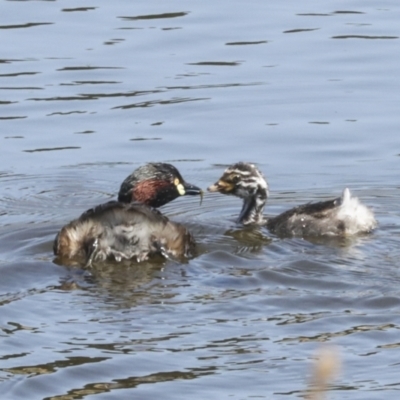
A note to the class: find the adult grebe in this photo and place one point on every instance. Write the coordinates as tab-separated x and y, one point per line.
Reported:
342	216
122	230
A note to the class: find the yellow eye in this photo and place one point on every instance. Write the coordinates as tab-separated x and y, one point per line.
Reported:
176	181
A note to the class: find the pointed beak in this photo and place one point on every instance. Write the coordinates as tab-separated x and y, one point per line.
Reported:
221	187
213	188
193	190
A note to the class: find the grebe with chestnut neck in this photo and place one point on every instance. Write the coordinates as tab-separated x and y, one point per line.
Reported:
131	228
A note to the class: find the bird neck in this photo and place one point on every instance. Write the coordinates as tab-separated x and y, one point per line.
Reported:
253	208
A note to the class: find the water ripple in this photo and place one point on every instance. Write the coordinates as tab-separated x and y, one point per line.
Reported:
26	25
156	16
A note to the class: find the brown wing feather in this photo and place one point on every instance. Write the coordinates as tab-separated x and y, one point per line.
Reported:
123	231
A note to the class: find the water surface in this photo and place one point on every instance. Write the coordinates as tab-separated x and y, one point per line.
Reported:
90	91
